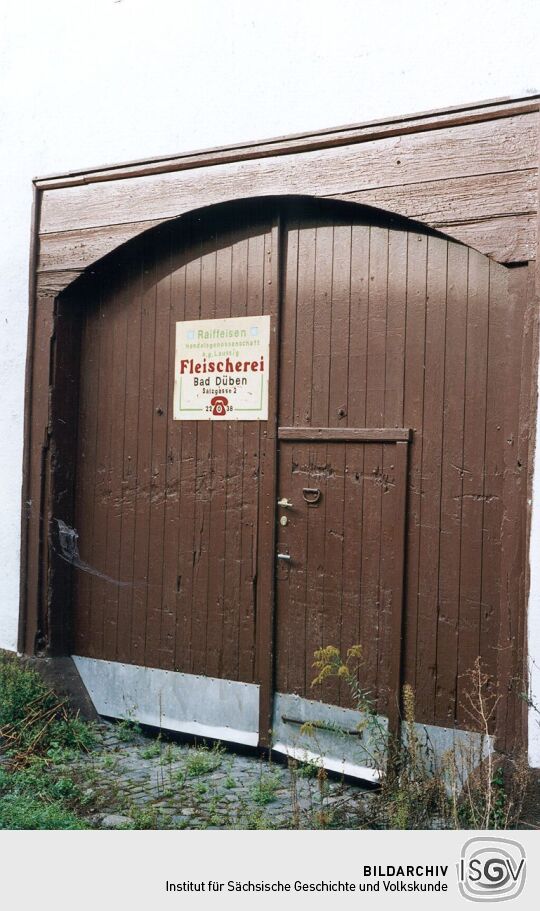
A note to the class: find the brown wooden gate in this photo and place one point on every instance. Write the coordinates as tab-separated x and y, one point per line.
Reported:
378	327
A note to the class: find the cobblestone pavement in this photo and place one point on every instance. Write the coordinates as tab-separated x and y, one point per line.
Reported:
135	781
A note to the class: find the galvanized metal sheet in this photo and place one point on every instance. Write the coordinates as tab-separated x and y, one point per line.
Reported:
337	738
328	735
203	706
467	748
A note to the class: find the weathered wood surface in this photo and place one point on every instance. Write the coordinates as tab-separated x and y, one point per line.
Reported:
383	327
330	137
35	633
476	182
506	240
79	249
52	283
346	434
459	199
517	415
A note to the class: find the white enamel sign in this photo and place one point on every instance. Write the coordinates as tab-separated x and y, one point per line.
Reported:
221	369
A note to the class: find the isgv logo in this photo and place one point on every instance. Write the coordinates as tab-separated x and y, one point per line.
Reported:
491	869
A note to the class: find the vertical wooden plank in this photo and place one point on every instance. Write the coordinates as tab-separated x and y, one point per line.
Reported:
391	597
38	450
413	410
84	499
313	470
322	326
430	505
116	320
528	407
144	456
126	571
259	251
358	326
246	298
173	578
338	401
188	487
205	273
289	540
339	259
268	495
305	405
493	474
395	676
98	584
355	619
171	582
319	457
376	343
287	363
217	533
188	484
340	326
396	310
512	555
158	474
372	606
333	554
290	240
452	473
63	423
352	553
473	468
234	595
304	336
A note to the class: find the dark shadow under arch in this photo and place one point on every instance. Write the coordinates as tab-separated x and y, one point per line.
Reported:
201	225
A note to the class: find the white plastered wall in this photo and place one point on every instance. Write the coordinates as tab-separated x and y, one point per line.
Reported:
90	83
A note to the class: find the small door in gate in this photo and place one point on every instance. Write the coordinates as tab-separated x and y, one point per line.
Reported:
339	582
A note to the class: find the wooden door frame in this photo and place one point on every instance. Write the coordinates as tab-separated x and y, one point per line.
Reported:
266	532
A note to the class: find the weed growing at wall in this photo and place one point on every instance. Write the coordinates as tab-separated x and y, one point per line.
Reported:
37	731
52	775
203	760
33	721
469	786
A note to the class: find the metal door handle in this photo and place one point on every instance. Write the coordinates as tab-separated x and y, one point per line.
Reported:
286	557
284	503
311	495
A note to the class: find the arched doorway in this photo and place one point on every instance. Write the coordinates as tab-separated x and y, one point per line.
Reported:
383	432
